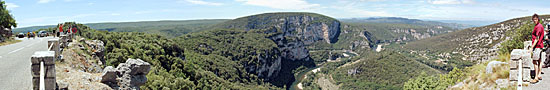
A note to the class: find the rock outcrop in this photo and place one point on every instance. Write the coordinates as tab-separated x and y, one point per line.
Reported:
97	49
129	75
291	32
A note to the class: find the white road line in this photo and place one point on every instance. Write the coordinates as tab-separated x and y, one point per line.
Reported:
16	50
30	45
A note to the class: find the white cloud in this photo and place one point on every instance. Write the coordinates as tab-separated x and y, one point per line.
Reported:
11	6
201	2
281	4
451	1
45	1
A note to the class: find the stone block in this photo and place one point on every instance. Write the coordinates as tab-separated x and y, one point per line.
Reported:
50	71
46	56
516	54
36	83
49	60
55	48
35	60
49	83
527	63
526	75
513	75
526	56
35	70
514	64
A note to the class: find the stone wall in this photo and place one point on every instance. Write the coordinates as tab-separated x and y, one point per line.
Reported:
521	63
47	57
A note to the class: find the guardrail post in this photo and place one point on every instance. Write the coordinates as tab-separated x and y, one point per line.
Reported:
55	47
47	57
63	41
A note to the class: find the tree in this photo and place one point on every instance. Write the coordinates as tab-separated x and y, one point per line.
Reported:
6	19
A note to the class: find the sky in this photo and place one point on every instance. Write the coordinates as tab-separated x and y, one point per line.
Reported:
50	12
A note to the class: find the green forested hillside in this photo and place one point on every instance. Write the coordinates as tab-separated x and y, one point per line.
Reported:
176	67
228	54
384	70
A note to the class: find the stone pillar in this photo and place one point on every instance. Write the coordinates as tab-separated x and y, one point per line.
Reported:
514	64
523	57
47	57
63	41
55	47
70	37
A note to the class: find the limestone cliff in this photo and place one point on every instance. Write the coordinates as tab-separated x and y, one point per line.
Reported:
291	32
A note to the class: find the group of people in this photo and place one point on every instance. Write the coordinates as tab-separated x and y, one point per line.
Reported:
72	29
31	34
539	38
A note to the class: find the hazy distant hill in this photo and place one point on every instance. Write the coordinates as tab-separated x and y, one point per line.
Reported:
170	28
400	20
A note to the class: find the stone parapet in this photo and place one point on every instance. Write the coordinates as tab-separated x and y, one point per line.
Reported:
48	61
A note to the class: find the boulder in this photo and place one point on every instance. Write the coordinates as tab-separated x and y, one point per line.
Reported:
62	85
109	74
138	67
128	75
492	64
138	80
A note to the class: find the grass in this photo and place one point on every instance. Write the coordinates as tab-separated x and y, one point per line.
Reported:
9	41
476	76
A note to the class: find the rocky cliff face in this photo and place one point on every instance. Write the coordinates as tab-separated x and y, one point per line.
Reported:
291	32
308	27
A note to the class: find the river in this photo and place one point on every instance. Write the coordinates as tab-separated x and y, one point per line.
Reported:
302	75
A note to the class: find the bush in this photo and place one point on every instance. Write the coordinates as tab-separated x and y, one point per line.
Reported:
518	36
441	82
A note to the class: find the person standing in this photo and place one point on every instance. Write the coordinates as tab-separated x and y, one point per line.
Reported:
60	29
28	35
537	45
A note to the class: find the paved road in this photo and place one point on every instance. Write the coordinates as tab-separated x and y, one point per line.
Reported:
15	64
543	84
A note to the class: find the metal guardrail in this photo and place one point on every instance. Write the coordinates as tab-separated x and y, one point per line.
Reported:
42	76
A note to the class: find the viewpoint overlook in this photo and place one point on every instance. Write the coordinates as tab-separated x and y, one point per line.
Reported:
265	45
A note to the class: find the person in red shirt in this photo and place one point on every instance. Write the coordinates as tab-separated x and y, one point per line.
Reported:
60	29
537	45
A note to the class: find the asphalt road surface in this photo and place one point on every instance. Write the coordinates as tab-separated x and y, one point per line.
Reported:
15	62
543	84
